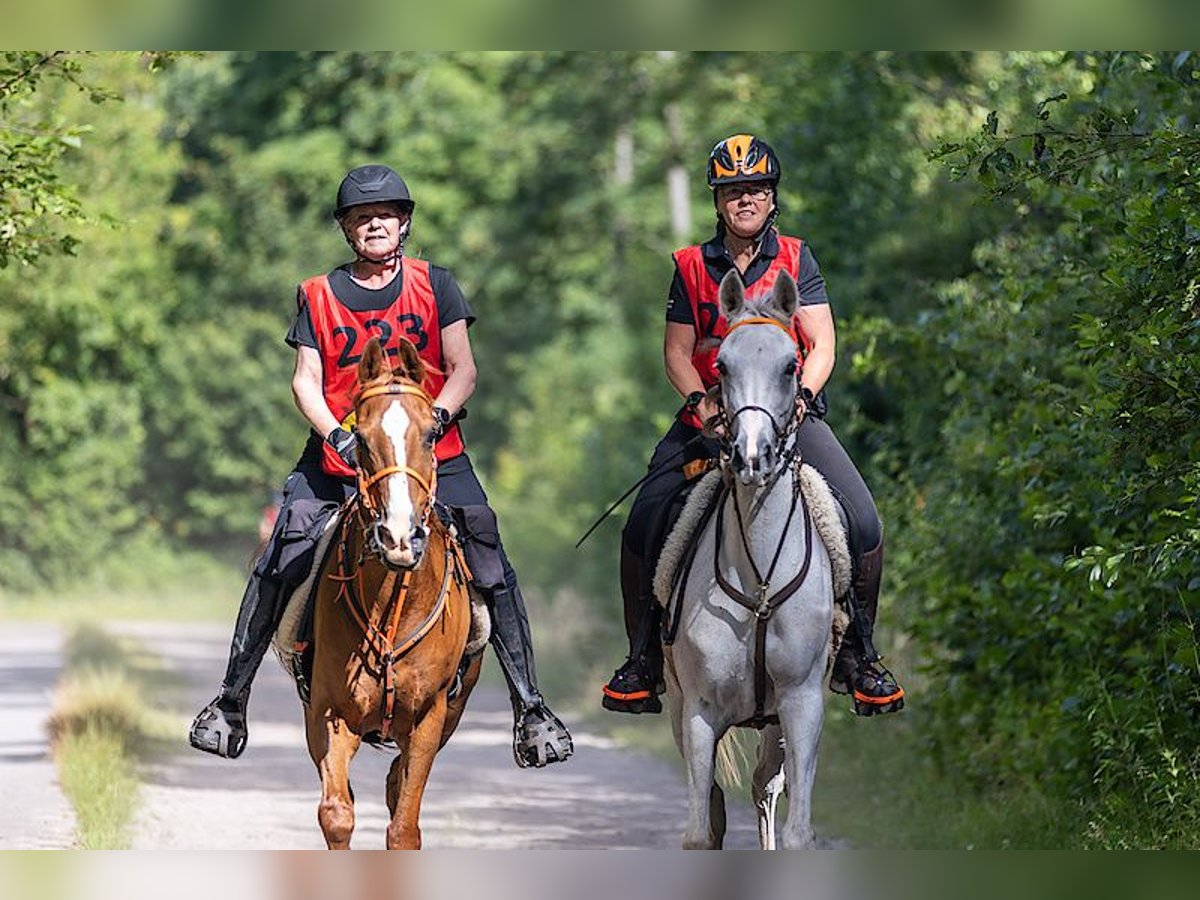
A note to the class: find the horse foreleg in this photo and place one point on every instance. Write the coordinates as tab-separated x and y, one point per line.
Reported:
332	745
801	714
768	783
699	746
408	775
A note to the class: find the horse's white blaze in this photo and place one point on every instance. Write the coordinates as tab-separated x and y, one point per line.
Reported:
398	517
754	436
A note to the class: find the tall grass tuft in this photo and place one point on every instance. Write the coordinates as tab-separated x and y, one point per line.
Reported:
99	721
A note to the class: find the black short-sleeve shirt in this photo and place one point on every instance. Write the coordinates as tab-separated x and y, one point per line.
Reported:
452	306
811	284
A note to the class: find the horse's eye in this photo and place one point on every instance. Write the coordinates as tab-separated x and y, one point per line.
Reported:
790	368
722	369
430	438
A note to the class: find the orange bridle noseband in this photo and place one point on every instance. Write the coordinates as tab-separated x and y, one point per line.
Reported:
364	483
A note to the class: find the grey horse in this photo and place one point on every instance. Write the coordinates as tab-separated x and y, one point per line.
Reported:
731	613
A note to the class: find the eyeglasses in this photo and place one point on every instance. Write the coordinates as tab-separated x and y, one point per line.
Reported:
755	191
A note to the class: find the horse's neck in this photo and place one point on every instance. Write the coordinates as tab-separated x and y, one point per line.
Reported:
764	515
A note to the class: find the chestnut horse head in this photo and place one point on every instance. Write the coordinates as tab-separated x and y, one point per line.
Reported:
397	471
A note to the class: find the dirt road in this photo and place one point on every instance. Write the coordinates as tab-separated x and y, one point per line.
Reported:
606	796
34	813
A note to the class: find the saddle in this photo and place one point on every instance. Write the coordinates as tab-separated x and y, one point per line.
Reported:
293	639
829	521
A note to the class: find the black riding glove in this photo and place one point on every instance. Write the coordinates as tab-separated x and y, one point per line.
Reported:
441	421
345	445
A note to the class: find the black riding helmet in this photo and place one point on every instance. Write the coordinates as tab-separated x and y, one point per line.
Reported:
372	184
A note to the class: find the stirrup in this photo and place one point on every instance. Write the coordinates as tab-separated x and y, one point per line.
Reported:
540	738
875	690
632	689
218	731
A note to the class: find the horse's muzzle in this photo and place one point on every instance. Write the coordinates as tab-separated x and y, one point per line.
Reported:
405	553
755	463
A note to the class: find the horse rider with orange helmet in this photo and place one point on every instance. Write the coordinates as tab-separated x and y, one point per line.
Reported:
380	294
743	173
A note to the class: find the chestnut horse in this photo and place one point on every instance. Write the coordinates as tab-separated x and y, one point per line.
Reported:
393	611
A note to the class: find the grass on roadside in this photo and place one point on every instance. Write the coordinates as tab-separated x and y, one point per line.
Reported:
100	724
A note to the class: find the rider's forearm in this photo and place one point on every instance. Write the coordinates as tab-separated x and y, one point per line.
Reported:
459	386
681	373
311	402
818	366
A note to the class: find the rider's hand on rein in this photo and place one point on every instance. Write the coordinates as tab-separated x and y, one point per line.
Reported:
345	445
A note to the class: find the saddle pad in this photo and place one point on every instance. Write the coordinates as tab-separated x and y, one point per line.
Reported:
821	504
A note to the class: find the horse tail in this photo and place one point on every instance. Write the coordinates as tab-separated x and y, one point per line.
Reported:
733	757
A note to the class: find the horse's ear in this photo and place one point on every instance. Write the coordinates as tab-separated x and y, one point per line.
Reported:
732	294
410	363
784	296
373	364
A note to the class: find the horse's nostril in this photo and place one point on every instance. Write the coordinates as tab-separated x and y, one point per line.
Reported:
383	537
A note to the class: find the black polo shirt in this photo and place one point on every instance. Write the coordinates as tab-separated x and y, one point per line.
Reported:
717	261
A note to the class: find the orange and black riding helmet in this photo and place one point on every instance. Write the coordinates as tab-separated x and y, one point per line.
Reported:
742	158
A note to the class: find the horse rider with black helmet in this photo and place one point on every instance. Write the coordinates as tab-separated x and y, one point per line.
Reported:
386	295
743	173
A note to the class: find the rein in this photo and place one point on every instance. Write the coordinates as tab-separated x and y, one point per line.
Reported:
384	642
763	604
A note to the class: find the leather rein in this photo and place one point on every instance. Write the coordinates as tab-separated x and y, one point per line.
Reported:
763	604
350	573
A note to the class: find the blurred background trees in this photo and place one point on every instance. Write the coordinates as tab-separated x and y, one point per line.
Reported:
1010	245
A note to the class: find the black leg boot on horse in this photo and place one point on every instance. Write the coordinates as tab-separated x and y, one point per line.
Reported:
635	686
539	736
858	669
220	727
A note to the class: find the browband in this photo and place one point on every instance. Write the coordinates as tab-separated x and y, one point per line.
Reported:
760	320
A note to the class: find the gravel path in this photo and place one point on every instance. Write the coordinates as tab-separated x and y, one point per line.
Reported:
606	796
34	814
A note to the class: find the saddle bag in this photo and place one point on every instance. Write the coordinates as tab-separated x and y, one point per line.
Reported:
300	530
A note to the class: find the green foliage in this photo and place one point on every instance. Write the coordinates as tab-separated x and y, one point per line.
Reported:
1059	602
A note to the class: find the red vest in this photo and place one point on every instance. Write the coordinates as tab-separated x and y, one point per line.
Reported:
707	318
342	334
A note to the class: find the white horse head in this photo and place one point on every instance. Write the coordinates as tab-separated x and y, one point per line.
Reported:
757	365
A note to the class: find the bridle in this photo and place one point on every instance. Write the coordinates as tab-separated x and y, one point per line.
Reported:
763	603
351	575
365	484
790	424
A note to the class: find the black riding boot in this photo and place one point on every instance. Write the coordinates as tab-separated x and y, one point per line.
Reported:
635	686
220	727
539	736
858	670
